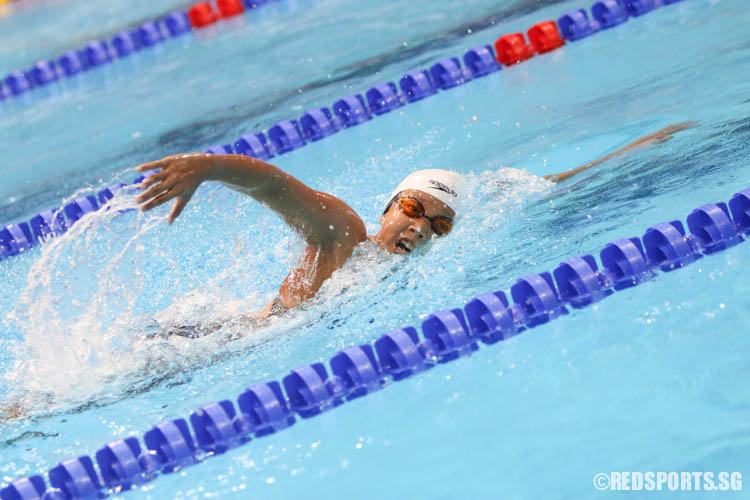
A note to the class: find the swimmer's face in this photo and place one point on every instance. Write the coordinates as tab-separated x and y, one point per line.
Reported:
402	234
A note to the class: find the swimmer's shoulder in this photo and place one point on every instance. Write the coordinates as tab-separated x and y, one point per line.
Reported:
338	226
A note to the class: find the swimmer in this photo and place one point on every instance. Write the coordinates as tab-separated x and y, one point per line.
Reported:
424	205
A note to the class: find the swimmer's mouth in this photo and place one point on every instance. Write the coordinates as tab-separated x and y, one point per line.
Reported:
404	246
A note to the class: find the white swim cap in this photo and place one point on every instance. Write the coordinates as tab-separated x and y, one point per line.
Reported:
444	185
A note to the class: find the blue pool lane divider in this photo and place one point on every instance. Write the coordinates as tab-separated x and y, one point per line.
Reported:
100	52
310	390
572	26
316	124
352	110
15	239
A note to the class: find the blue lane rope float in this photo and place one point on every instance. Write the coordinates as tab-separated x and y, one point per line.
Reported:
315	124
100	52
574	26
309	390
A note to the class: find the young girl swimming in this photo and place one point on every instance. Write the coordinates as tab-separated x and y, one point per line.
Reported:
424	205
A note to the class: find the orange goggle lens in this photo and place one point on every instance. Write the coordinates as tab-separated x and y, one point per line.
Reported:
413	208
441	225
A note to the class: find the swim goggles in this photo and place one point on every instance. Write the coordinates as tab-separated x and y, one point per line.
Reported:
413	208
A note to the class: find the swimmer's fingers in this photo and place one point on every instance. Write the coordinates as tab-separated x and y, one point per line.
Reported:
681	126
153	165
154	178
672	129
164	181
664	134
162	164
166	191
159	199
163	186
663	138
168	161
179	205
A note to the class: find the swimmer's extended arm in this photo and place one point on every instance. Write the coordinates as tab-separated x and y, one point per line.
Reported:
662	135
321	218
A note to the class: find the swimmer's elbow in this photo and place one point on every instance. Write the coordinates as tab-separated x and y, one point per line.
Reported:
359	231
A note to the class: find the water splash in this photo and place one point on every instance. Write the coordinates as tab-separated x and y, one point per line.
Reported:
120	303
90	312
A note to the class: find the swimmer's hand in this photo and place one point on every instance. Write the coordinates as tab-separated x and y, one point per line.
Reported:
665	134
178	179
13	411
657	137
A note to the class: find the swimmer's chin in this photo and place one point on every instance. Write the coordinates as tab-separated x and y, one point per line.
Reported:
396	249
401	246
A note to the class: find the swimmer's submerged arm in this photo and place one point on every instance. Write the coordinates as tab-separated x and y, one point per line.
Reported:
660	136
321	218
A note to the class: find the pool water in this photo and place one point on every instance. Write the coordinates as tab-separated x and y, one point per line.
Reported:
651	378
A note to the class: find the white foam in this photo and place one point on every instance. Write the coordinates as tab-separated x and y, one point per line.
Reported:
99	298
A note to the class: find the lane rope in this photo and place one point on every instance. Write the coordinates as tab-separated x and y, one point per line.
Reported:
268	407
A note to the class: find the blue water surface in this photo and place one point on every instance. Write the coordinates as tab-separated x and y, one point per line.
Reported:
650	379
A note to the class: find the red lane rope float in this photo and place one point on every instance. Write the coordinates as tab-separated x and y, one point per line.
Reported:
545	37
512	49
229	8
202	14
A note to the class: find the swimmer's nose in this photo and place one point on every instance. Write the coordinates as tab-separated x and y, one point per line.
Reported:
420	228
